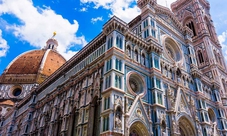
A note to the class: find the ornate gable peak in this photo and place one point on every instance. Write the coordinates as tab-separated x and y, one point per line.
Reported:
163	10
138	111
182	103
115	23
142	3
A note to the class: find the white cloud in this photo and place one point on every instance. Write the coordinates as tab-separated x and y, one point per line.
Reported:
124	9
83	9
222	38
165	3
94	20
223	41
69	54
40	23
121	8
3	45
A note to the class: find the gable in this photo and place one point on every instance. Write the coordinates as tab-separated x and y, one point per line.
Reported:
182	105
138	113
168	17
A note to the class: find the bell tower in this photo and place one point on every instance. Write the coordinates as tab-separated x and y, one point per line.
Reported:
195	15
210	61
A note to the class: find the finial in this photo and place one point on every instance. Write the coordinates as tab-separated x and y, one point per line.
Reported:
54	33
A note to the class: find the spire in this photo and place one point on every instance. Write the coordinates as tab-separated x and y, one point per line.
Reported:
52	43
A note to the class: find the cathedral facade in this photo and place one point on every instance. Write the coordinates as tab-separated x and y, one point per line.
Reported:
162	74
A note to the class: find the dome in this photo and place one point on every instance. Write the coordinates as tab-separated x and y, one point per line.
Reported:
32	62
33	66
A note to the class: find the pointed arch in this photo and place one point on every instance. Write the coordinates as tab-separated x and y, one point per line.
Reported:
200	56
143	59
136	57
188	21
119	41
138	129
186	125
128	51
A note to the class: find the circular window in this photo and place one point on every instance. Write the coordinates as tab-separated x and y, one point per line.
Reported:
16	91
172	50
136	84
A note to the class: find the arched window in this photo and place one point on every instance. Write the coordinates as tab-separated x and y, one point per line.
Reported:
119	42
200	56
110	42
201	114
205	132
136	57
192	27
143	60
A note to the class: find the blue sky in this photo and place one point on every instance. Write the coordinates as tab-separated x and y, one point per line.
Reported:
27	24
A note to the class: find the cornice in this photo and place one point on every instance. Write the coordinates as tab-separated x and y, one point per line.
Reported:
115	24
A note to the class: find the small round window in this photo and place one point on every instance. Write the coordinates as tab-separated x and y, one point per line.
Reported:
17	91
136	84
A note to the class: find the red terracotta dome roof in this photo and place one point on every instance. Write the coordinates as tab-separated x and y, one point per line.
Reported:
32	62
35	64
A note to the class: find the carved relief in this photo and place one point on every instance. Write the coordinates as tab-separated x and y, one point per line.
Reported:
171	97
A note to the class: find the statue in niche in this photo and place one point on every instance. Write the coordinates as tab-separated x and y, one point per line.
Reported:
171	96
118	122
128	52
143	59
118	115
